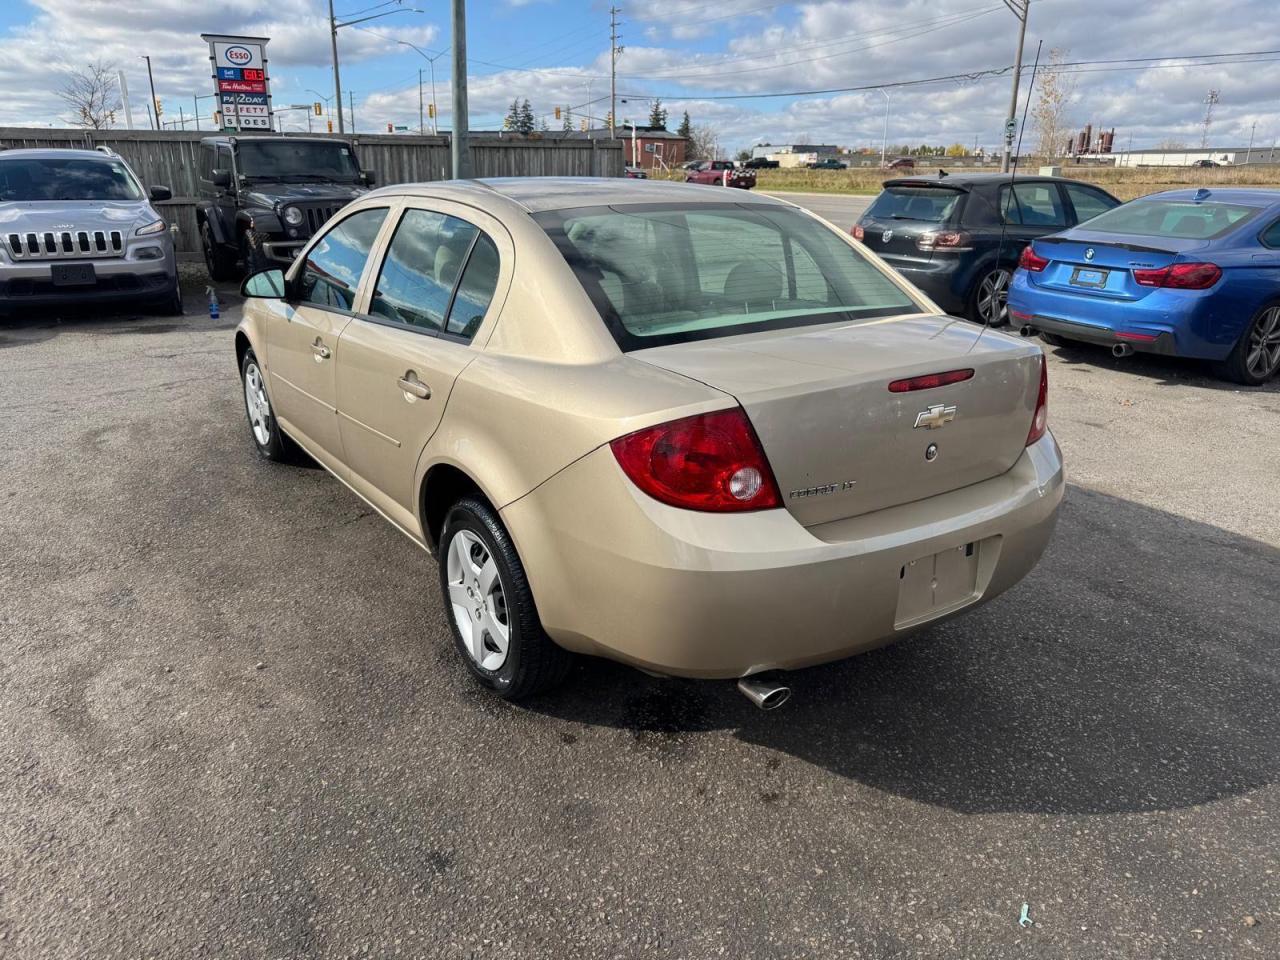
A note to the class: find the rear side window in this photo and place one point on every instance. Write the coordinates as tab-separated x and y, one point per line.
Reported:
479	280
1271	236
1185	219
930	204
661	274
1033	205
331	274
1088	203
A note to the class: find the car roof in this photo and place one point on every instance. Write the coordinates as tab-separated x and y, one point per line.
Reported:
963	181
540	194
1245	196
56	153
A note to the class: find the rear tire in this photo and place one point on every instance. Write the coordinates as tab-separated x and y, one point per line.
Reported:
989	299
490	607
1255	358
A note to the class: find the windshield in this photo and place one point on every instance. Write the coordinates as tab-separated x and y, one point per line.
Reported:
72	178
1185	219
661	274
296	159
930	204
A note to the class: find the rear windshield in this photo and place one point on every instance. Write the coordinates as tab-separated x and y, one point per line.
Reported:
73	178
663	274
1185	219
931	204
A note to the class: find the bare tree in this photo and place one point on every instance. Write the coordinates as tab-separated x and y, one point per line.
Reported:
1049	115
1171	144
92	93
704	142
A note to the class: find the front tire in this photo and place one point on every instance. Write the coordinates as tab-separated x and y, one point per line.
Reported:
267	436
171	306
220	266
989	301
1255	359
490	606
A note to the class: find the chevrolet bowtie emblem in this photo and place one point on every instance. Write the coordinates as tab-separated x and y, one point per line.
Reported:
936	416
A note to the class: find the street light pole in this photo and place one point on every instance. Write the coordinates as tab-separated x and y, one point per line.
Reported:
884	144
460	149
435	128
155	109
1021	9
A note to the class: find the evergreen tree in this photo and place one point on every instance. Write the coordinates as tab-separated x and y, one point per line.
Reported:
568	121
657	116
512	119
686	128
525	123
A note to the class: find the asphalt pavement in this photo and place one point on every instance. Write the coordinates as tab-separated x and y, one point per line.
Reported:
232	723
841	209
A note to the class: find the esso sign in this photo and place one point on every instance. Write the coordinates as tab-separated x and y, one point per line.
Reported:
238	56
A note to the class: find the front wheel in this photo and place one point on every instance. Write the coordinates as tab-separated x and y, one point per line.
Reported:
988	304
490	606
267	436
171	305
1255	359
221	267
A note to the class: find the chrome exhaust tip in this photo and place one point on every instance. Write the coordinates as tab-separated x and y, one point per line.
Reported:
765	694
1027	330
1122	350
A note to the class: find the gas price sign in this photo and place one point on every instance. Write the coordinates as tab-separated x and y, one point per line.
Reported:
240	81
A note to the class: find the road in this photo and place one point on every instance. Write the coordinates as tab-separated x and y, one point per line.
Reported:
841	209
232	724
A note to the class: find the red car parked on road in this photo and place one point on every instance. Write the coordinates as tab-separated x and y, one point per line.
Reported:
720	173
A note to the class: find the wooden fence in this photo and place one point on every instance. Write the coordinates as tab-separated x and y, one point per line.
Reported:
169	158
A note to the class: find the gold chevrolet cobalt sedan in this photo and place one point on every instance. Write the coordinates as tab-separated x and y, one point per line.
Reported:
707	436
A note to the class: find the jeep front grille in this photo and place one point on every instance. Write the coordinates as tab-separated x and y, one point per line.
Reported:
65	244
318	215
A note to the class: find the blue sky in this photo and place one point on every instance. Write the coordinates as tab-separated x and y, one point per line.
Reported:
693	53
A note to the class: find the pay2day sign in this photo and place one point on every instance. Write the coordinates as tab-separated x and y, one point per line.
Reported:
239	73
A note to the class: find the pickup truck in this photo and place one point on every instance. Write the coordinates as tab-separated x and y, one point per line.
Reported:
760	163
720	173
827	164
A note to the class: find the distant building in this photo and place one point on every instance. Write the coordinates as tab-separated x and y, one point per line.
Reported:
650	147
1185	156
794	154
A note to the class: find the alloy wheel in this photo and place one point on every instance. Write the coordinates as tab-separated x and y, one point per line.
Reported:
1263	355
477	600
993	296
257	404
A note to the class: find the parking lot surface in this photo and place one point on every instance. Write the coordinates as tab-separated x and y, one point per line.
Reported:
232	723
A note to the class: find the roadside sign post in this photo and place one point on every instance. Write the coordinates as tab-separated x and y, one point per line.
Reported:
240	81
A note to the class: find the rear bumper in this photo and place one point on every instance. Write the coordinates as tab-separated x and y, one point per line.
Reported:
618	574
1168	322
941	278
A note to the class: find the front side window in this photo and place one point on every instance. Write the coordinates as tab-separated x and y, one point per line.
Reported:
1088	203
661	274
424	260
1185	219
331	274
72	178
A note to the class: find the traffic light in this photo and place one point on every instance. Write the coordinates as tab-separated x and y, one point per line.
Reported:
431	110
318	107
557	113
330	126
584	123
391	128
608	120
159	107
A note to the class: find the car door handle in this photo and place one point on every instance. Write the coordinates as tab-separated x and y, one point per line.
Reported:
415	387
320	350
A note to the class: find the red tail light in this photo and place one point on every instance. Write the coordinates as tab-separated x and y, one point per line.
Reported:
944	240
1032	261
1040	422
1180	276
711	462
858	232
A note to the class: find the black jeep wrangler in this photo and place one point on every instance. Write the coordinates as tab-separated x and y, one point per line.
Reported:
261	198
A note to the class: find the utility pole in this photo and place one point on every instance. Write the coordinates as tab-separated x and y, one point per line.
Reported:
1021	9
614	50
155	110
351	94
459	148
1211	100
422	123
337	82
1252	130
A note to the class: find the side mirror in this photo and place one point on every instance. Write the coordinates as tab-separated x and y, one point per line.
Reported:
222	178
265	284
161	193
368	178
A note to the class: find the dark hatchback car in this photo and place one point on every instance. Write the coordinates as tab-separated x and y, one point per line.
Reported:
958	236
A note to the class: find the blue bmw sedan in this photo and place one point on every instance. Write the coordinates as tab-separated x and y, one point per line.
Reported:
1189	273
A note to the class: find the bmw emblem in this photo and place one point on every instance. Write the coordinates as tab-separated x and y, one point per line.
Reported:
886	236
1088	253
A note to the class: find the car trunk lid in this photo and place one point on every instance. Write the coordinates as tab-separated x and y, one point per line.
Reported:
839	441
906	211
1102	264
